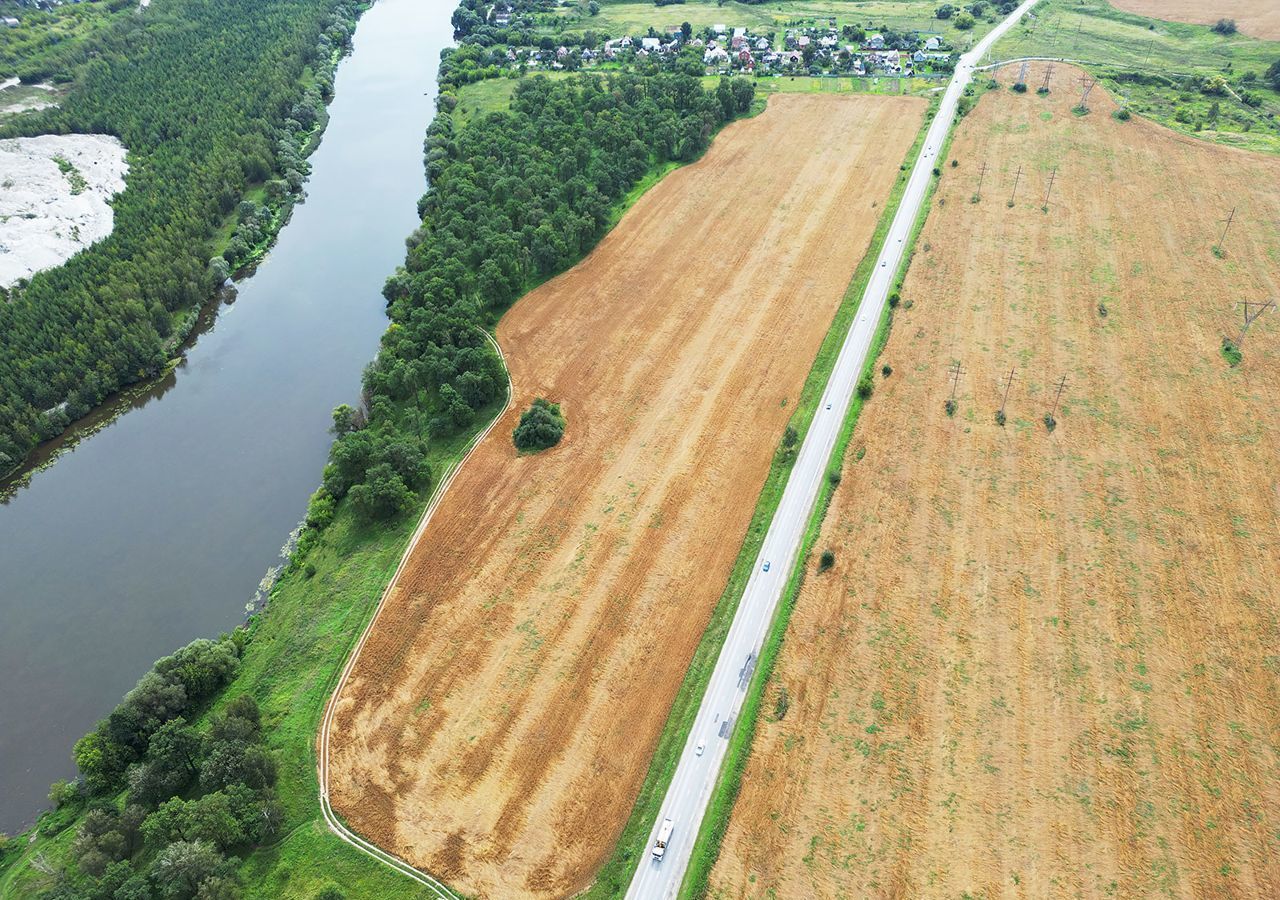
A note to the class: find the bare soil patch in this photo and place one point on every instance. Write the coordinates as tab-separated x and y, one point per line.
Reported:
499	722
1258	18
1048	664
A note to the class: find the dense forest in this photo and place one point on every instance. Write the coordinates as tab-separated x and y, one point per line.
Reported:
210	97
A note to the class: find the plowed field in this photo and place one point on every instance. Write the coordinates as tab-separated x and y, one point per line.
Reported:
1257	18
1047	664
499	722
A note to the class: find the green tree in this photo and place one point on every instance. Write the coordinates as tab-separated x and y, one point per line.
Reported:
541	426
183	866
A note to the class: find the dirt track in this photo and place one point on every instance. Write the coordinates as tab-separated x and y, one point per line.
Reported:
1257	18
1048	665
501	718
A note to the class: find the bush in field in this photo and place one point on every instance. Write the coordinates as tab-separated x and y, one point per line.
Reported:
541	426
1225	26
827	560
865	387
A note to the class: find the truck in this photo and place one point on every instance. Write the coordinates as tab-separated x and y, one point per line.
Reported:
664	835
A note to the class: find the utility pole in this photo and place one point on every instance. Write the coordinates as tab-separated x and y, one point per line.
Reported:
1086	84
1218	251
1052	176
1048	74
982	176
1022	76
1008	383
1016	179
956	370
1252	310
1061	387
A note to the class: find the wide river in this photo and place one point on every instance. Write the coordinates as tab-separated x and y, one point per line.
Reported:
157	529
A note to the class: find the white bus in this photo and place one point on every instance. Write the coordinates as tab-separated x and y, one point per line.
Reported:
664	835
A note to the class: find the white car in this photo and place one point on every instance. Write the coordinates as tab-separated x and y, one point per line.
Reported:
702	745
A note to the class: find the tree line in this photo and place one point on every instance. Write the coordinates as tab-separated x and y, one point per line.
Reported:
515	197
209	97
168	805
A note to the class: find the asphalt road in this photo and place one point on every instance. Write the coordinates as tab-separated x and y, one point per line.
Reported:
690	791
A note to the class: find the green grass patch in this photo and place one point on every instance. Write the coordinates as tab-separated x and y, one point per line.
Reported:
483	97
617	871
1159	68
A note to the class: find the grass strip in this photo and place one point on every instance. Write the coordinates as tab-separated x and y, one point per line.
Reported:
616	873
725	794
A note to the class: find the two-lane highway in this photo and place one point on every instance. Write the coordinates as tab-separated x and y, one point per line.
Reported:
690	791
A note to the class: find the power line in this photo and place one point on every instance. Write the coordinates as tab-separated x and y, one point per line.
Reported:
1016	178
1052	176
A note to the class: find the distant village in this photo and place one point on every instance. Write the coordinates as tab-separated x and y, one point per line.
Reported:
813	50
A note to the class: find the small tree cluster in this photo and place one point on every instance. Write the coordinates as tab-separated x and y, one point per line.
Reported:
541	426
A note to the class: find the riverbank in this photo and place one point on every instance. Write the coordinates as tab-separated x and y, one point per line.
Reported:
160	525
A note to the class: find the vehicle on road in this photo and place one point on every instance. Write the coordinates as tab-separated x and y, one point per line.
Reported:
828	406
664	835
766	565
702	745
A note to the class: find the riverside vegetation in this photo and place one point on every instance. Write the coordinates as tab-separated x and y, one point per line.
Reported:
218	102
515	197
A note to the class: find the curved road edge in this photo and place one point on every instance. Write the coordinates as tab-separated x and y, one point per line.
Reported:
335	824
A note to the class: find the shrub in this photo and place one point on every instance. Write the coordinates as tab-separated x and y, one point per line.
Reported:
950	407
781	705
865	387
894	299
1050	422
1122	114
1231	353
1020	87
1224	26
827	560
964	21
1000	420
541	426
834	477
886	370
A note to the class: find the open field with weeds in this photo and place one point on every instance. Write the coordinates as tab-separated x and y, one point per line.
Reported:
500	720
1183	76
1043	661
1260	18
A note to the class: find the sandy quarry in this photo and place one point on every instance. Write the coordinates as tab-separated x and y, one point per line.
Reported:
500	720
1048	665
1258	18
46	216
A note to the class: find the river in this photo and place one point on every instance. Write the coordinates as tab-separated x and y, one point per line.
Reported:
157	529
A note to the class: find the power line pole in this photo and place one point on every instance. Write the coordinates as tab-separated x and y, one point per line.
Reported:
1252	310
1008	383
1052	176
982	176
1086	84
956	371
1218	251
1022	76
1048	74
1016	179
1062	385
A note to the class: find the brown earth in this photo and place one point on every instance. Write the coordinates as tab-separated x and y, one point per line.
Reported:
498	724
1258	18
1047	665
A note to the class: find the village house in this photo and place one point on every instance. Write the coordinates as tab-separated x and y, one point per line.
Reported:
876	41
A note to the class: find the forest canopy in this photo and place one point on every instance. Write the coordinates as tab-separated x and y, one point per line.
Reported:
210	97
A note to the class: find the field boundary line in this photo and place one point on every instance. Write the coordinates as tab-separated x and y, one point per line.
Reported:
336	825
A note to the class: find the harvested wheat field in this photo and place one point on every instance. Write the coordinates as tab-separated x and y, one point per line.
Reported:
1047	664
500	720
1258	18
